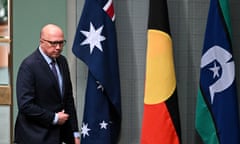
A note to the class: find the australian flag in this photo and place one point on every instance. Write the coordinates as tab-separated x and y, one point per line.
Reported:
95	44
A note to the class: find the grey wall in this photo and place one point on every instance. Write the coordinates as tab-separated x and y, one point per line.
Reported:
187	22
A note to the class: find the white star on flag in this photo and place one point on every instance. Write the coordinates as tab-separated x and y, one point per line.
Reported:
215	70
93	38
103	125
84	130
100	86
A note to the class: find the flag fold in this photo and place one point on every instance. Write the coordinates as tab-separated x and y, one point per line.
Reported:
95	44
161	122
217	105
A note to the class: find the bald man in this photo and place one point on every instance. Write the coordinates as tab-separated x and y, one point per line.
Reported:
46	110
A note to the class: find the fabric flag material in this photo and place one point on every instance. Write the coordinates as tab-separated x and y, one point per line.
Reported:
95	44
161	122
217	119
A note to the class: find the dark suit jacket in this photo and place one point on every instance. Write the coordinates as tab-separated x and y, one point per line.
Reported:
39	98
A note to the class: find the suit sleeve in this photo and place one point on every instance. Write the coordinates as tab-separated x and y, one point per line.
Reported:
69	100
26	97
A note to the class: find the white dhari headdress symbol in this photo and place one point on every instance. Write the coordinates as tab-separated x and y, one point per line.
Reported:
228	72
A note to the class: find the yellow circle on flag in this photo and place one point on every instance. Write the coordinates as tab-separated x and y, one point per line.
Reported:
160	80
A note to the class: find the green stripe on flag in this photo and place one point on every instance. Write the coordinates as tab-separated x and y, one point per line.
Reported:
225	11
204	122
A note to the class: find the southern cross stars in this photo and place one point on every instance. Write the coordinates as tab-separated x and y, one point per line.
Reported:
93	38
100	86
84	130
103	125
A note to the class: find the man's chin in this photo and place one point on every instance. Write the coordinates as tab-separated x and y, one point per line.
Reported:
56	55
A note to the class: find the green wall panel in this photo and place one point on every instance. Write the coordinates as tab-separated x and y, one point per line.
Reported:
28	18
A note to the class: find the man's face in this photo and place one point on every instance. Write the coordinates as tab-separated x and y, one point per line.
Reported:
52	48
52	42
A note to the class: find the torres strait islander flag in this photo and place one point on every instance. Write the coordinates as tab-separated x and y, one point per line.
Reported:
161	122
217	119
96	45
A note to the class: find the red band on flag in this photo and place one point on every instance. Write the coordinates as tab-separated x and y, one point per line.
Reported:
158	127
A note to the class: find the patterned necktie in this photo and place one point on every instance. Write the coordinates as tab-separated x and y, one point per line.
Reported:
54	70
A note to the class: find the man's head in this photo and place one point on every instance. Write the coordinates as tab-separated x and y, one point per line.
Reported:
52	40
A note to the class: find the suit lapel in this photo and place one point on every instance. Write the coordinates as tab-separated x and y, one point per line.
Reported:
46	67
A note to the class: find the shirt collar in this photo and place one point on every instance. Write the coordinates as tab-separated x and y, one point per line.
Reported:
47	58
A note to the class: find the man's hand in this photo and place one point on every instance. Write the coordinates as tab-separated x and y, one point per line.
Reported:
77	140
62	117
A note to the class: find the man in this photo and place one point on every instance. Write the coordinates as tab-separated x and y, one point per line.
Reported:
47	113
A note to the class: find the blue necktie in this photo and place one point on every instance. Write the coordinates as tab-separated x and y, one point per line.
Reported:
54	70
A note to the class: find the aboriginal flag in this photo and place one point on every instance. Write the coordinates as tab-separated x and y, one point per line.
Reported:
161	122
